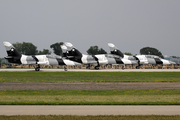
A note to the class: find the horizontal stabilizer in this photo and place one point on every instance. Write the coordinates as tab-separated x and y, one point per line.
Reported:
9	57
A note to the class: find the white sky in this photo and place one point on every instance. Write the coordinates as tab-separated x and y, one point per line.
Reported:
129	24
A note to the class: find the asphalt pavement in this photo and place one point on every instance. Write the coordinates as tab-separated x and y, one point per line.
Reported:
88	110
93	70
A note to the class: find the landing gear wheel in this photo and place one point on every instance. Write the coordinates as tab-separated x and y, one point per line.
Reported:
37	69
137	67
65	68
97	67
88	67
123	67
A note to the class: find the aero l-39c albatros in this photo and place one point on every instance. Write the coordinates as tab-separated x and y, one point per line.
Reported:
141	59
15	57
71	53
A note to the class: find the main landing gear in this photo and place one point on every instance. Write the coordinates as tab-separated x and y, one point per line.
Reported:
88	67
96	67
137	67
37	68
123	67
65	68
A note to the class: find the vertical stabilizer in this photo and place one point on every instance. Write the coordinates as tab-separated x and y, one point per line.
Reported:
114	50
64	50
72	51
13	55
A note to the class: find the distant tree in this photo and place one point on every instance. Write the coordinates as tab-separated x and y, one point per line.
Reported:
0	60
93	50
44	52
56	48
102	51
151	51
173	56
127	53
18	46
26	48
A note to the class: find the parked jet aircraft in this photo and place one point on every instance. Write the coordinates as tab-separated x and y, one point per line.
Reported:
15	57
71	53
141	59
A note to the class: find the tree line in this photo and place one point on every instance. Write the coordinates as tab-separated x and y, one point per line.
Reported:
30	49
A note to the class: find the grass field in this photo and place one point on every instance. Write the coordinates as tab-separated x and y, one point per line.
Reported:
74	97
100	117
84	97
33	76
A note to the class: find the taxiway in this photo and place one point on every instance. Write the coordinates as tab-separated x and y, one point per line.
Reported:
101	70
88	110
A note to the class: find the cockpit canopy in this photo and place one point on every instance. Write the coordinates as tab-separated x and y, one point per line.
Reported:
112	56
152	56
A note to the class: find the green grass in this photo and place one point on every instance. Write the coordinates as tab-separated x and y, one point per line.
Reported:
33	76
99	117
85	97
89	92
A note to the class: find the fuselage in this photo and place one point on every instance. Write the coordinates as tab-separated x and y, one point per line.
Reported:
45	60
94	60
139	59
152	59
104	59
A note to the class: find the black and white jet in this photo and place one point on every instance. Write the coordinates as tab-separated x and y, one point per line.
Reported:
140	59
15	57
71	53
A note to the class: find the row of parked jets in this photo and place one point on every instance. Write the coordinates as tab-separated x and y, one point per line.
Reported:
72	56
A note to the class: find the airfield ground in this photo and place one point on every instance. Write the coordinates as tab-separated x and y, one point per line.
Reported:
165	84
89	86
93	70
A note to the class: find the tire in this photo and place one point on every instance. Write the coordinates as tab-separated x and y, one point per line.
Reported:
37	69
137	67
97	68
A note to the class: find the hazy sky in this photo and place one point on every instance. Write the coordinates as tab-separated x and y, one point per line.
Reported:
129	24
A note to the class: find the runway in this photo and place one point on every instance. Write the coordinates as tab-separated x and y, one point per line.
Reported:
88	110
93	70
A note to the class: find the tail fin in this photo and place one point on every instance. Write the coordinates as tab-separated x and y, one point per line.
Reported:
64	50
72	51
13	55
114	50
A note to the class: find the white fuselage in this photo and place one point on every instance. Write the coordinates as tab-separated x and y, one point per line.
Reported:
46	60
88	59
